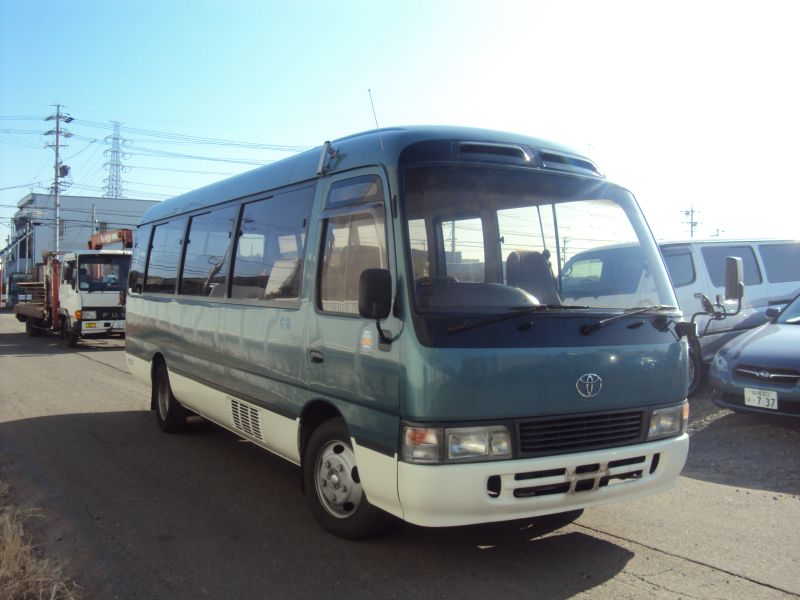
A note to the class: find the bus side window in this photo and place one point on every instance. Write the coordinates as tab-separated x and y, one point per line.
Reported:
165	254
353	243
271	246
138	260
205	265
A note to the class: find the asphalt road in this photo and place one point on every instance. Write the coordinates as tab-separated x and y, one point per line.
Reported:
134	513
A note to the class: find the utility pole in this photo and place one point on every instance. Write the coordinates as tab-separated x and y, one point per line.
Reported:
59	169
691	222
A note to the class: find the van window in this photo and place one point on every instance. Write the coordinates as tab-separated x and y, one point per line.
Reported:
141	242
714	257
463	249
604	272
353	242
270	247
208	242
781	262
680	265
165	254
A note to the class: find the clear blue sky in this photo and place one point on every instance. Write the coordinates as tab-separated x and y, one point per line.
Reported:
687	104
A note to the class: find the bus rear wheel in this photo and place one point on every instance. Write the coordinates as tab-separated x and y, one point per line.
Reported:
170	414
333	486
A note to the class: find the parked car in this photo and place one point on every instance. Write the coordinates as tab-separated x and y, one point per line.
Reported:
759	371
771	276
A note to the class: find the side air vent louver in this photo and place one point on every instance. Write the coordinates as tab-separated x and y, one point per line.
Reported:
245	419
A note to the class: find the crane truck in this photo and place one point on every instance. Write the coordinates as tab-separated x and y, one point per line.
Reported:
81	294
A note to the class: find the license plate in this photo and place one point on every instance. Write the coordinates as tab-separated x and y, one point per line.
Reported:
761	398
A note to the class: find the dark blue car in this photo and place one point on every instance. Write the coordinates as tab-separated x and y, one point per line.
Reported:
759	371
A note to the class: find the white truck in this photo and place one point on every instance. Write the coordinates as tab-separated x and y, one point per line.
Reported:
79	295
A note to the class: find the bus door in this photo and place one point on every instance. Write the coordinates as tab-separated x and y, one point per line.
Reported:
346	358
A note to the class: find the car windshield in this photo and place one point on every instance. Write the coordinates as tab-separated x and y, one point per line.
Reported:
791	314
103	273
483	239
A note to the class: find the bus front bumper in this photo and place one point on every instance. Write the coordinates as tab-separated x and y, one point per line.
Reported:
449	495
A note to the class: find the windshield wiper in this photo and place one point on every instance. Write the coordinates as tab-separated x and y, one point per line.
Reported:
587	329
516	312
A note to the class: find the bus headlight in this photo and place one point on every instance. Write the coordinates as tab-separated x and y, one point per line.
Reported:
668	422
459	444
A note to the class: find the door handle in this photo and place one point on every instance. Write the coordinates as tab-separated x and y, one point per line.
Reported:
317	357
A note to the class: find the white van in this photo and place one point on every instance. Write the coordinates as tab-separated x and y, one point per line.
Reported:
771	277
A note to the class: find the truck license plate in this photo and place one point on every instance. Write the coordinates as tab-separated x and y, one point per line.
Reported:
761	398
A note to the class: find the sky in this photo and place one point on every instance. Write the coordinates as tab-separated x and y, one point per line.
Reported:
690	105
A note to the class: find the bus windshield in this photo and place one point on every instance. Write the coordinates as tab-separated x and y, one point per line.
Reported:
103	273
483	239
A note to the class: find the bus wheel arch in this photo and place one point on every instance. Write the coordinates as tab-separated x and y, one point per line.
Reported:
314	414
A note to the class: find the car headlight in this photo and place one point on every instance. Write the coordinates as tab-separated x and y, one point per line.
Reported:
428	445
90	315
719	363
668	422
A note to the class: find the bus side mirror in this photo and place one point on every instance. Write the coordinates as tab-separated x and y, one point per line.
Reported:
375	293
734	280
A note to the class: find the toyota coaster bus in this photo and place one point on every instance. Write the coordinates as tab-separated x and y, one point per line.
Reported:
385	312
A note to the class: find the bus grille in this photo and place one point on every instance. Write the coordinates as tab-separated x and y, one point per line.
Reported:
565	434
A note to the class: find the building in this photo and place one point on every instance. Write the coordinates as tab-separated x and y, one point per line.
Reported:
33	233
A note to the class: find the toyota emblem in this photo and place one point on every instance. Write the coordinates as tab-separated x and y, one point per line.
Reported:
589	385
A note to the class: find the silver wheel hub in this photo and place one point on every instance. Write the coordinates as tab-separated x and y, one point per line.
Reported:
337	482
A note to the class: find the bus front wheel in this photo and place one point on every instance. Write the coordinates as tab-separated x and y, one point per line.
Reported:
695	367
333	486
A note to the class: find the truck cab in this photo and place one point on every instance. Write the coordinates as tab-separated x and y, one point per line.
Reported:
92	294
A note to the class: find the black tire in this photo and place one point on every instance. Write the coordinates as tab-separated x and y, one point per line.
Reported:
333	487
695	367
30	330
170	414
69	336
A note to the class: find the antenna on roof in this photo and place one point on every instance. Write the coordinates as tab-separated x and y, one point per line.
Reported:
369	91
380	138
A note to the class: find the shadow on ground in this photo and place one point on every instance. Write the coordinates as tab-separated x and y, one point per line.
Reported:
144	514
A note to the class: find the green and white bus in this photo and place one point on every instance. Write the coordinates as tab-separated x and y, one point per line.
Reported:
385	311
